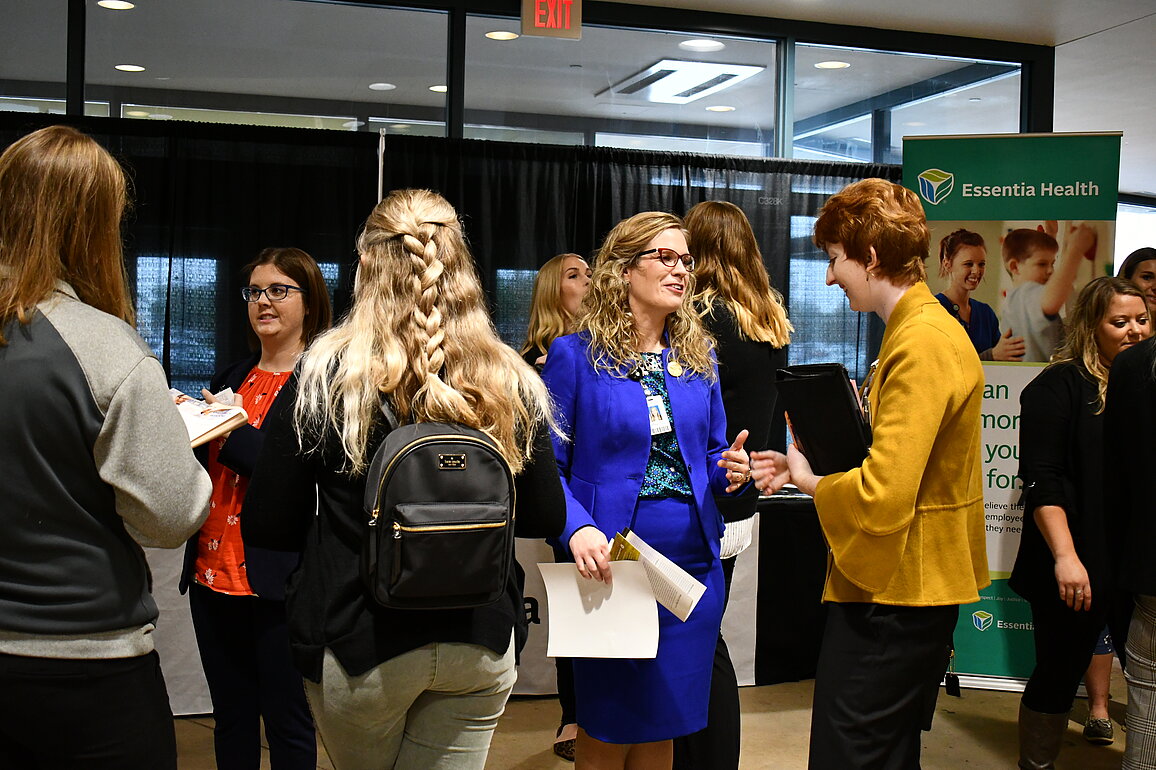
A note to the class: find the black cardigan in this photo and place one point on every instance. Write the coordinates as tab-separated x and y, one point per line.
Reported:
1130	454
266	570
305	504
746	371
1061	463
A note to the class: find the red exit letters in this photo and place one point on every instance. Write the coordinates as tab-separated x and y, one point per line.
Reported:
552	14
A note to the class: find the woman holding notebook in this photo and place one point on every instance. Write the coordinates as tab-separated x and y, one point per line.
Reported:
905	528
236	592
639	402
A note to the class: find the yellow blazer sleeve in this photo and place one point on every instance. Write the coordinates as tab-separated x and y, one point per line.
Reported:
866	513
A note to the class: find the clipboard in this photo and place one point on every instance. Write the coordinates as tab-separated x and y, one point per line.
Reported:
824	414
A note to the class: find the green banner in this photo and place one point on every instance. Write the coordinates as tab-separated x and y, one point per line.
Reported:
1044	176
1016	201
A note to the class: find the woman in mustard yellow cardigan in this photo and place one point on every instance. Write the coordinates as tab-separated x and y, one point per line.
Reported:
906	528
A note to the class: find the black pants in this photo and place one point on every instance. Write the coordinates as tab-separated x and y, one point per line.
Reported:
1064	640
716	747
244	645
92	714
877	682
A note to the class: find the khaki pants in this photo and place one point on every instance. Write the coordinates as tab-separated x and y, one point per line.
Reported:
433	707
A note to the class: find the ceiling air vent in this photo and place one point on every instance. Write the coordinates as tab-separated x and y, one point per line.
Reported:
672	81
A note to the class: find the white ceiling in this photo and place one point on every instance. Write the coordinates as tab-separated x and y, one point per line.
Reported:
1105	60
1105	53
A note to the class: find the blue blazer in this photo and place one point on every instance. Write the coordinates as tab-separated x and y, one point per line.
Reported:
603	463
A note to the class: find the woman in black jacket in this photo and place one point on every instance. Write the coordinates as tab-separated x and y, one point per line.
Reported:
1062	567
746	317
237	596
400	688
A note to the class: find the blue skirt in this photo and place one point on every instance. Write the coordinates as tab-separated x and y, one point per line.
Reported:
640	701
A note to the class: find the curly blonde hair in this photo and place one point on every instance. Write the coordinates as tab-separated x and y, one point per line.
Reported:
605	314
420	332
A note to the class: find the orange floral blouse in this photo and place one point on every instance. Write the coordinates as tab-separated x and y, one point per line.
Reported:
220	561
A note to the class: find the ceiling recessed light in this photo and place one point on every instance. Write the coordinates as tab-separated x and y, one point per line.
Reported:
130	68
137	113
975	99
116	5
439	89
720	108
832	65
702	46
915	123
502	35
381	86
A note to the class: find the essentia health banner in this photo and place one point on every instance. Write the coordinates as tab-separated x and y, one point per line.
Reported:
1043	206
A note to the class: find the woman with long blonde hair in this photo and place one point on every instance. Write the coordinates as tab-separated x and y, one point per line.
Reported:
96	464
419	335
559	287
748	322
644	448
1063	568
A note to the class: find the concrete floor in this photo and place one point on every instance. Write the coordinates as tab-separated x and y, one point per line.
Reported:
975	731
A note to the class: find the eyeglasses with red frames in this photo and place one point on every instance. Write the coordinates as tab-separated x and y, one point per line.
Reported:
670	258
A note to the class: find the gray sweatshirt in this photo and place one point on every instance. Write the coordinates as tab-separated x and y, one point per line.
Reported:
94	463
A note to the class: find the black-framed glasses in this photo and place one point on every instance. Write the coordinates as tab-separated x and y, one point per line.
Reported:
274	291
670	258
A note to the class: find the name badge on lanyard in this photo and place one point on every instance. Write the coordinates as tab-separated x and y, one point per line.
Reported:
659	419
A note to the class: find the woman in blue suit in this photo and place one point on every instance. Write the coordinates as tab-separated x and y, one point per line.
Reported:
645	448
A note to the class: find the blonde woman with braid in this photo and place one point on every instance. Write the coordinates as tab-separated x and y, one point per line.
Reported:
389	688
644	447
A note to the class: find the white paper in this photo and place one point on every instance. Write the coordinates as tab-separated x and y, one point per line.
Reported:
203	419
588	619
674	588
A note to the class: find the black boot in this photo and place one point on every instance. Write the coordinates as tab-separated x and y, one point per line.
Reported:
1040	738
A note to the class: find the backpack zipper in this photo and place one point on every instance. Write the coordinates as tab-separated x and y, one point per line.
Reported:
385	475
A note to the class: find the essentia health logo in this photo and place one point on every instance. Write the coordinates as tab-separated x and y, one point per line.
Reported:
935	185
982	620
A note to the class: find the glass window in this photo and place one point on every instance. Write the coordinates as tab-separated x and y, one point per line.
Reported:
621	88
514	288
33	44
847	97
187	289
1135	228
268	62
826	328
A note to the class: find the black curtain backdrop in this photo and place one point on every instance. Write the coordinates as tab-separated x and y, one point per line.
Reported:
208	198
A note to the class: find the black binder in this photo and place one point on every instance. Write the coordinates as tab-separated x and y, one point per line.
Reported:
826	421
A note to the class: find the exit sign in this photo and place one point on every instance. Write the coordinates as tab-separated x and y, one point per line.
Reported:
552	18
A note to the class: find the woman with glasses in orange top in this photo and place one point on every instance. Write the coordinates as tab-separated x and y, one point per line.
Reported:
237	598
638	399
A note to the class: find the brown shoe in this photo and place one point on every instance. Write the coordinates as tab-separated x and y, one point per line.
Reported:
1098	731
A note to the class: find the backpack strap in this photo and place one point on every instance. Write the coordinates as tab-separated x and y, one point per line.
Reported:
387	412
